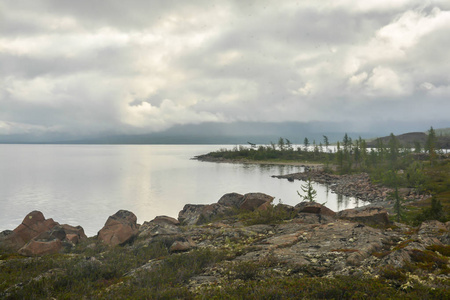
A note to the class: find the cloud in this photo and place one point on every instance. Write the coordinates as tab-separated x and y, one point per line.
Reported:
83	67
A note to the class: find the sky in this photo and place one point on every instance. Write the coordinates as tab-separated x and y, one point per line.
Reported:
87	68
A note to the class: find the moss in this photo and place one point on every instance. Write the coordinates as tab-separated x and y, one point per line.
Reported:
345	250
429	260
442	249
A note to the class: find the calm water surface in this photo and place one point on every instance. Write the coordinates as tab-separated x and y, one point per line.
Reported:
84	184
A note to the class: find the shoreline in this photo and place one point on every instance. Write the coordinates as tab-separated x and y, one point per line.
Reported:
350	185
207	158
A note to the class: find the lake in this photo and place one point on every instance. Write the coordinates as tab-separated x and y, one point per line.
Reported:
84	184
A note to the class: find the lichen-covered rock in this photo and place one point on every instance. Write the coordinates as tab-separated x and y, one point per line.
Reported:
74	234
41	247
120	228
374	216
314	208
253	201
32	225
231	199
165	220
196	214
182	244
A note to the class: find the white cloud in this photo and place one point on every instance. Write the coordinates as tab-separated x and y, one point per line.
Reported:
85	67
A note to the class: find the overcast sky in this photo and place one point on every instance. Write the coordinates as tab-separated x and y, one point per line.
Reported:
90	67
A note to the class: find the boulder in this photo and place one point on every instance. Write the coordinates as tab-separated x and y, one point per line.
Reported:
182	244
165	220
374	216
41	247
119	229
231	199
252	201
314	208
74	234
152	229
190	215
32	225
196	214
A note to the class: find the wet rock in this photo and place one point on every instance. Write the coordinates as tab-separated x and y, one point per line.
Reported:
252	201
119	229
374	216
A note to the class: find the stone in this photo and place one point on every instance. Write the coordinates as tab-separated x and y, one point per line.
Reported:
196	214
374	216
39	248
182	244
252	201
32	225
314	208
165	220
231	199
74	233
119	229
190	215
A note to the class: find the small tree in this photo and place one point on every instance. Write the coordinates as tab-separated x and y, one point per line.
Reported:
397	205
430	145
281	144
306	142
325	141
310	192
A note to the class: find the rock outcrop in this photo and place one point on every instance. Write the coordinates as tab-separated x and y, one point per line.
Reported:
253	201
120	228
37	236
374	216
197	214
314	208
32	225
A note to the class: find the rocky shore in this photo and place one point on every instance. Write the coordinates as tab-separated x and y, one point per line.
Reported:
306	240
355	185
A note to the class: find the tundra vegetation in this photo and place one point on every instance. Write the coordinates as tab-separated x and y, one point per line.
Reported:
149	270
425	168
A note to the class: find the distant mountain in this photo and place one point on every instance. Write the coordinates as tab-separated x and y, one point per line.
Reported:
235	133
409	139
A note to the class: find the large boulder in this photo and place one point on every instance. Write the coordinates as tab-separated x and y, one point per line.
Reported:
37	236
119	229
159	226
32	225
314	208
41	247
165	220
373	216
196	214
74	234
253	201
231	199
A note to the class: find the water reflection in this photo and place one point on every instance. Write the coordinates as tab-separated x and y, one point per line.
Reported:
84	184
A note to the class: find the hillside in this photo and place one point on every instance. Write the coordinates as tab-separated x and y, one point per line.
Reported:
409	139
